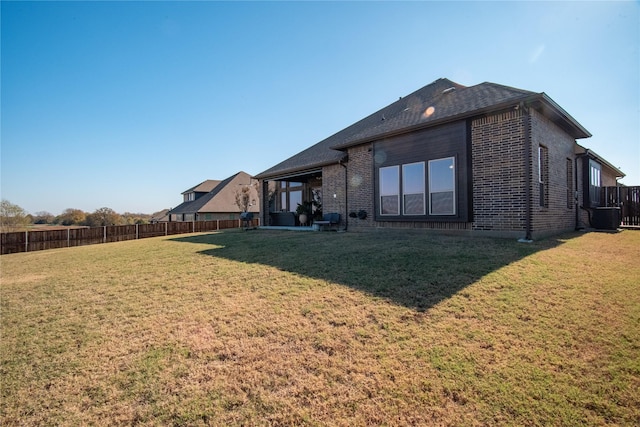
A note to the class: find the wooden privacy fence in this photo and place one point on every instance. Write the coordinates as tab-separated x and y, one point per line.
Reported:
37	240
625	198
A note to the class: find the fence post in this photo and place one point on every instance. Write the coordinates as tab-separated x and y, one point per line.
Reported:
26	240
166	231
68	238
104	234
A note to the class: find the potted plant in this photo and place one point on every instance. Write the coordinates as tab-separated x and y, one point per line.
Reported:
304	211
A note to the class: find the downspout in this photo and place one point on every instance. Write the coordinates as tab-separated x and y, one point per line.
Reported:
346	195
528	172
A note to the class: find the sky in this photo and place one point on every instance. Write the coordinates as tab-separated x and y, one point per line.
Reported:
128	104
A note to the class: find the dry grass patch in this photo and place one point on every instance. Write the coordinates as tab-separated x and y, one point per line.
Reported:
282	328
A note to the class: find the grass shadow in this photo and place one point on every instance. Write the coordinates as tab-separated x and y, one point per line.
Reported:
412	268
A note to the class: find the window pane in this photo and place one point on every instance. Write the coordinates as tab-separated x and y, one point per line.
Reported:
295	198
414	204
390	190
413	178
442	203
442	186
413	188
441	175
389	205
389	180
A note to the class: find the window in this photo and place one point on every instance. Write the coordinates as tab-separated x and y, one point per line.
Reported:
295	198
189	197
543	175
442	186
290	195
594	183
389	190
413	189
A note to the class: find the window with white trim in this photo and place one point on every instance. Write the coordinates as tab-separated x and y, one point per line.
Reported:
442	186
390	190
595	182
413	200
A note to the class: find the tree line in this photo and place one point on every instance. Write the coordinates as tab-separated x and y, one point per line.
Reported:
15	218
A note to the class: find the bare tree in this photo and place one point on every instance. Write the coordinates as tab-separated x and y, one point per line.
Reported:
243	196
12	217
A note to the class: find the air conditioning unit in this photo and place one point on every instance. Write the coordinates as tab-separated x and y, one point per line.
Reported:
606	218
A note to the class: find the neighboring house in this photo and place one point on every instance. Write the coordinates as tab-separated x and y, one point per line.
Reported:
486	159
212	200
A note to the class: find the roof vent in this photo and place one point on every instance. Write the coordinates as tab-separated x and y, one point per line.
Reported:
449	90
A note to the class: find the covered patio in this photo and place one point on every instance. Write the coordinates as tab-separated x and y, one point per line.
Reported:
292	201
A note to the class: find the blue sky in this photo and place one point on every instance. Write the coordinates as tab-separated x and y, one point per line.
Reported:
127	104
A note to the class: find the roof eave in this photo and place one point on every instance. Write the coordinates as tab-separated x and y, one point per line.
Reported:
579	130
299	170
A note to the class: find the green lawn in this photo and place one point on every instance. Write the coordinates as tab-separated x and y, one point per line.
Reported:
284	328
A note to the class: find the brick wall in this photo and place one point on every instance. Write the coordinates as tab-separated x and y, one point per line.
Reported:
497	151
361	186
333	191
557	216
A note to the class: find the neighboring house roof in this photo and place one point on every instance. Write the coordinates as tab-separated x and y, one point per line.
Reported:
203	187
439	102
222	198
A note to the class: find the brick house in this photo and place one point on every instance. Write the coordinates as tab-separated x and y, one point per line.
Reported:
213	199
485	159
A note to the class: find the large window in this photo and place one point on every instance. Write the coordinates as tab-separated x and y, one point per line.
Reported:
390	190
413	189
290	196
442	186
410	178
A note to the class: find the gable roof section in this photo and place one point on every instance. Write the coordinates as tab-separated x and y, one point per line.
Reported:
431	106
203	187
579	149
222	198
439	102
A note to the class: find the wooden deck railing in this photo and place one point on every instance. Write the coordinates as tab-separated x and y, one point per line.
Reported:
627	199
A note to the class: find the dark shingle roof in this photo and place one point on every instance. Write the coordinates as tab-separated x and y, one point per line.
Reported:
203	187
438	102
